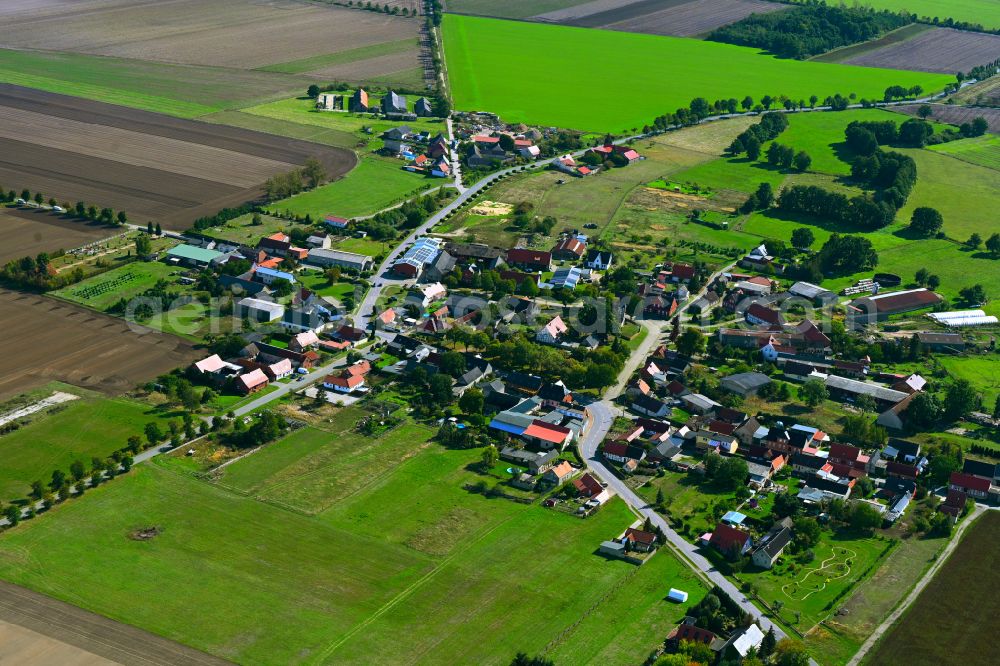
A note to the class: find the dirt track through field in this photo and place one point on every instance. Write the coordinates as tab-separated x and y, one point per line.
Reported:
41	631
153	166
51	340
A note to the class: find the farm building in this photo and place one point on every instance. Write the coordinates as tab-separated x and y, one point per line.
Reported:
195	257
252	382
416	258
349	260
870	309
259	310
962	318
745	383
530	259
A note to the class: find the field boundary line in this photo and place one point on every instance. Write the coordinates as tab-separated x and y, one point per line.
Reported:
904	605
389	605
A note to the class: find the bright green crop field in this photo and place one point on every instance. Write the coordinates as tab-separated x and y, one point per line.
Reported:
981	150
984	12
600	80
409	566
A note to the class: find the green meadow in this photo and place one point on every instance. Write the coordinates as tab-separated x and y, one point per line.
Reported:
376	183
981	150
984	12
965	193
600	80
404	563
78	430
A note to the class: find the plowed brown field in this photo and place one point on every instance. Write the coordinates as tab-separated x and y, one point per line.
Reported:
155	167
29	232
50	340
196	32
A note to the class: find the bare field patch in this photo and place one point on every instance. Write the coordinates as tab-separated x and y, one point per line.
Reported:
956	115
59	341
155	167
195	32
943	50
681	20
27	233
492	208
368	68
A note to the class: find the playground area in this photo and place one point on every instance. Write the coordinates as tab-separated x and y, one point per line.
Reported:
815	580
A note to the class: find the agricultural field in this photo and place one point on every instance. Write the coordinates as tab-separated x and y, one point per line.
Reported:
215	34
486	58
92	425
981	150
61	341
429	540
985	12
150	165
956	115
30	232
515	9
983	93
982	371
960	591
943	50
679	18
185	91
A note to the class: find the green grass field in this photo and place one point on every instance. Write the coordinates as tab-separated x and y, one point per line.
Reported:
409	565
807	588
965	193
312	469
611	81
88	427
376	183
984	12
982	370
981	150
178	90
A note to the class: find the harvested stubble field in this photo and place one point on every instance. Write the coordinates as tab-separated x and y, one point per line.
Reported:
963	591
943	50
59	341
195	32
153	166
29	232
956	115
680	18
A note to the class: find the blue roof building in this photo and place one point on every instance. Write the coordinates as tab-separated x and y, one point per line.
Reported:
270	275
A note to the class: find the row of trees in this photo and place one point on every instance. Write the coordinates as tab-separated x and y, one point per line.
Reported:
750	140
312	174
81	209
